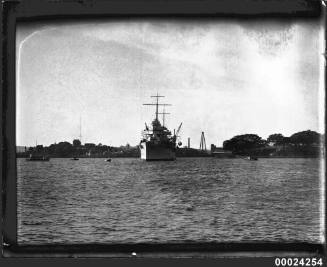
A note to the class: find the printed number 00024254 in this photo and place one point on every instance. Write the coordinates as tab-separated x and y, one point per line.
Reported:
301	262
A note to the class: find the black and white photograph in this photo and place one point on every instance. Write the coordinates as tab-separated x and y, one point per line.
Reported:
170	130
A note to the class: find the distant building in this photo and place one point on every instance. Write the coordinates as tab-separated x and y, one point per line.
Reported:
21	149
219	152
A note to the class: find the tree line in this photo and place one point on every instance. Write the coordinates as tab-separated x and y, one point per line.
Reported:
76	149
301	144
306	143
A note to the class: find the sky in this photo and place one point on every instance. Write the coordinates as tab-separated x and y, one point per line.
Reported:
222	77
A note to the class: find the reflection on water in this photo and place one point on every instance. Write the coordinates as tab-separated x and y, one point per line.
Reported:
190	199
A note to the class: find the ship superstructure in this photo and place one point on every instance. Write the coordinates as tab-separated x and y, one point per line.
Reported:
158	143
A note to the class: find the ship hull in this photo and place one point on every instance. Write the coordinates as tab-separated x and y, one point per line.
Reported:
157	152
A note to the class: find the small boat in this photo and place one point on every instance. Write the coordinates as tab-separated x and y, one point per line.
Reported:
251	158
108	160
190	208
38	158
74	158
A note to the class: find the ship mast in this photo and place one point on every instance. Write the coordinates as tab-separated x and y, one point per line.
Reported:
163	116
157	104
157	96
80	129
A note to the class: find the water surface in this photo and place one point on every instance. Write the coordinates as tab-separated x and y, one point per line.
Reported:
190	199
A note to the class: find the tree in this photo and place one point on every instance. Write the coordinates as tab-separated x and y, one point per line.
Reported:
39	148
277	139
286	141
76	142
305	138
242	143
64	149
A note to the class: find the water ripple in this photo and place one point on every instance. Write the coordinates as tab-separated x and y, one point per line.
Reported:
190	200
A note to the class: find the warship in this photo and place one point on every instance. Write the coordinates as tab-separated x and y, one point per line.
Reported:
158	143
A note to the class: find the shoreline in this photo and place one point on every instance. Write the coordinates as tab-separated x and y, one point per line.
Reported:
209	156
